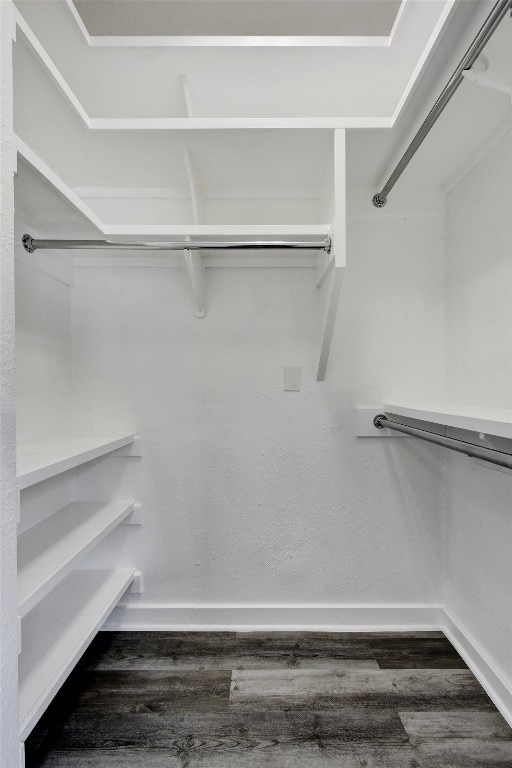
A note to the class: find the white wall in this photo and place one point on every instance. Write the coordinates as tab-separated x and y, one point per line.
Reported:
9	749
43	360
478	362
43	354
43	375
251	494
391	325
479	282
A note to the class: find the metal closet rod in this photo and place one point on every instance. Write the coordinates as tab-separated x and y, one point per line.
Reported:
469	449
475	49
31	244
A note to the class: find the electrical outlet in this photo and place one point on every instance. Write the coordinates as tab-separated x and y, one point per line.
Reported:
291	379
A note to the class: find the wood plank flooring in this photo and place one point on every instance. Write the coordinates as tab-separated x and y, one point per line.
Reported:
279	700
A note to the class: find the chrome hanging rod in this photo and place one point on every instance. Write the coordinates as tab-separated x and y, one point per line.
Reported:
31	244
469	449
489	26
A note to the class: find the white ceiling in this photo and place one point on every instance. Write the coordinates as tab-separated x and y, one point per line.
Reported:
238	17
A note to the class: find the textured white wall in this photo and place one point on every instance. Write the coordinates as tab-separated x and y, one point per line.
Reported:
391	324
43	360
43	354
479	283
9	747
251	494
478	360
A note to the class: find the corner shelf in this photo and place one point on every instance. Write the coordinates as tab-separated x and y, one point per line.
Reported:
490	421
30	164
57	632
48	552
46	458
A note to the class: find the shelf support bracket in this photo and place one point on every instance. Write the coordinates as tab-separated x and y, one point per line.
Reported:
194	186
335	267
330	319
324	269
196	271
194	259
186	96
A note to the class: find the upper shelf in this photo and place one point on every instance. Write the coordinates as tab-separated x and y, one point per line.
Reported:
43	459
47	205
349	78
119	178
490	421
98	144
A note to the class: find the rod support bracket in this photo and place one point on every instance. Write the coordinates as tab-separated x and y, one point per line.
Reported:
377	422
28	243
379	200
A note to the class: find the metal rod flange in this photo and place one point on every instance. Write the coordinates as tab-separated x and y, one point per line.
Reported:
28	243
379	201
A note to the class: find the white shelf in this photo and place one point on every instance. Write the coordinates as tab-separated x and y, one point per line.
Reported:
50	193
42	459
234	123
187	123
27	156
219	230
384	67
490	421
57	632
48	552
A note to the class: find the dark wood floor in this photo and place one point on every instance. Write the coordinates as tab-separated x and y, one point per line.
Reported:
279	700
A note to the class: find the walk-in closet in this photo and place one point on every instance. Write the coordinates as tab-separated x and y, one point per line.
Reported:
256	384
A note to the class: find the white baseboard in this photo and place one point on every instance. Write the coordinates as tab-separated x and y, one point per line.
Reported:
495	682
319	618
306	618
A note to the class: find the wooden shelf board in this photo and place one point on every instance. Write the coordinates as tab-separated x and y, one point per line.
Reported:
491	421
57	632
42	459
48	552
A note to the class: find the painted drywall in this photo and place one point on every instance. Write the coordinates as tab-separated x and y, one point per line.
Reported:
252	495
43	360
479	282
391	325
478	363
43	354
9	746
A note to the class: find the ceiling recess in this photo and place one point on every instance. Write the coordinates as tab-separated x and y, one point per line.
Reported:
238	17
